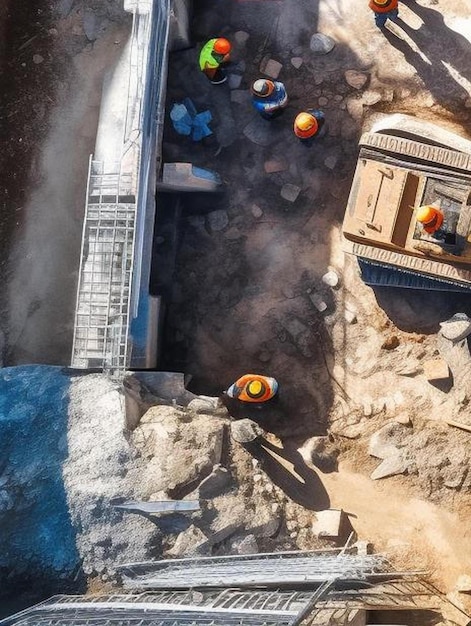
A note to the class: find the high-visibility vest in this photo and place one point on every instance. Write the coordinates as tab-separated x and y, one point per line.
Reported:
383	8
206	56
239	388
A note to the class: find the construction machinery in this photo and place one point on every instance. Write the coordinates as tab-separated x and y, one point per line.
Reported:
404	164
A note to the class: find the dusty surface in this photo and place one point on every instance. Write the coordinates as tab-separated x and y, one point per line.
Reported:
248	267
246	274
53	73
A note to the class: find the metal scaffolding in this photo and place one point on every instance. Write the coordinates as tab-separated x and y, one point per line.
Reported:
113	287
102	313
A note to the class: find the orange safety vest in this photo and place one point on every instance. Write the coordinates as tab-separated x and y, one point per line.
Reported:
383	8
268	388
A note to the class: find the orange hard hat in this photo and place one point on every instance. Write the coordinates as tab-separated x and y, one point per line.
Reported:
255	389
222	46
380	3
263	87
426	214
305	121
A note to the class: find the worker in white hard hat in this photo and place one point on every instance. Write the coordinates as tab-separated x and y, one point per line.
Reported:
269	97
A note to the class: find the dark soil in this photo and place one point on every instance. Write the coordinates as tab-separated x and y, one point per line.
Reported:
28	93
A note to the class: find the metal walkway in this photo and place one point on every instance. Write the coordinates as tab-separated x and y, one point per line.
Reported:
113	288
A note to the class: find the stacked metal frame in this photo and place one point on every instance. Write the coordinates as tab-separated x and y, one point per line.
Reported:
265	570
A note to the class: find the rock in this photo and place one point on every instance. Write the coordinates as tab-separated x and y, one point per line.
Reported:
318	302
190	542
403	418
245	545
331	279
391	466
267	529
330	162
275	166
456	328
37	59
256	211
350	317
363	547
234	80
385	441
356	79
332	524
355	108
91	25
296	62
436	370
246	430
454	476
290	192
205	404
371	97
463	584
215	484
217	220
321	452
321	44
323	101
241	37
409	368
390	343
241	96
271	68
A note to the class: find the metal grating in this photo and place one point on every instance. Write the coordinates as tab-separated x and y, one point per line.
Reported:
102	312
268	570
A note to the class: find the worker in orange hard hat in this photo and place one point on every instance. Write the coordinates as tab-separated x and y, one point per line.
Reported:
430	217
384	10
269	97
309	125
253	388
214	54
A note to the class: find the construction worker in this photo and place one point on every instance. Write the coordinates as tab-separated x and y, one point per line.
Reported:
253	388
269	98
215	53
384	10
309	125
430	217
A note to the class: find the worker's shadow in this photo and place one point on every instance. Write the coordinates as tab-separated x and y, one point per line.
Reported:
288	471
441	46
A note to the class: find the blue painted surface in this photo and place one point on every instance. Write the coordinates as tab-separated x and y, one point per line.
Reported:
37	534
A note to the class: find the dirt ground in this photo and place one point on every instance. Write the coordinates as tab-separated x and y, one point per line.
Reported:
241	299
250	262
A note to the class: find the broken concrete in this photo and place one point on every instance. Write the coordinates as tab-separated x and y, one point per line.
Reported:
456	328
391	466
216	483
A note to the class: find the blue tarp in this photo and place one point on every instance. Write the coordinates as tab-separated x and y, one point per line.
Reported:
187	121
